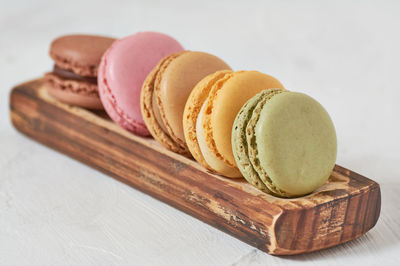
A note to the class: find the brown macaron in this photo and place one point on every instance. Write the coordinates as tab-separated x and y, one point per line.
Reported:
165	91
74	76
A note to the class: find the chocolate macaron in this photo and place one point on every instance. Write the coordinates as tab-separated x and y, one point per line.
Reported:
74	76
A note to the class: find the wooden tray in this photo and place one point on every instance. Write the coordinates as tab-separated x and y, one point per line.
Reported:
346	207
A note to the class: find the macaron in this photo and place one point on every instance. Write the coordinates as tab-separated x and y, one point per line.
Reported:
74	76
122	71
165	92
210	112
284	143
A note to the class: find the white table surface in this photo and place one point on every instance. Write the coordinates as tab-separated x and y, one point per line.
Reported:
57	211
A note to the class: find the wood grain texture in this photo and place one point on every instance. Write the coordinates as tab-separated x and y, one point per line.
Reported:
347	206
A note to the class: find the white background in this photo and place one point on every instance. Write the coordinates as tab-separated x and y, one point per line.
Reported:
346	54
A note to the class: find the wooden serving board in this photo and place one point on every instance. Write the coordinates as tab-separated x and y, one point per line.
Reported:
346	207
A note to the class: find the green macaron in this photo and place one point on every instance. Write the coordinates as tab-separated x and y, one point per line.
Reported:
284	143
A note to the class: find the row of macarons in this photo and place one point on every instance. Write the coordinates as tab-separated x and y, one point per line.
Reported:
234	123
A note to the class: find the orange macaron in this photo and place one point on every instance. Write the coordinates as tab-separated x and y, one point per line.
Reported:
210	112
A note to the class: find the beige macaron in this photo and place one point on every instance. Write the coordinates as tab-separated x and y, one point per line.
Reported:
165	91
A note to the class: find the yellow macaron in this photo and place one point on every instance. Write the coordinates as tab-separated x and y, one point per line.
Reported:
210	112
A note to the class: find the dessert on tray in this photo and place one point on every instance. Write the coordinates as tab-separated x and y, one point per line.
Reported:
234	123
236	149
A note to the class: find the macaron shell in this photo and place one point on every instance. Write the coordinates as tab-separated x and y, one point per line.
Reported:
80	53
114	112
123	69
73	92
82	100
193	106
155	101
151	113
252	148
296	143
225	101
175	84
216	164
239	140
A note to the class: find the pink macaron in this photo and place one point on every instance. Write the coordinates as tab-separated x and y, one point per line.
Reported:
123	68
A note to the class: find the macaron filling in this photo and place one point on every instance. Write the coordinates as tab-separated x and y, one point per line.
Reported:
70	75
213	161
